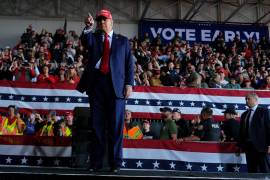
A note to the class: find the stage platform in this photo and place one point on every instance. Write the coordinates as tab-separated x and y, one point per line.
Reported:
41	173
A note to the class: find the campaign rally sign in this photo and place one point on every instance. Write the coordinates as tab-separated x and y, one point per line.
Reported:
204	32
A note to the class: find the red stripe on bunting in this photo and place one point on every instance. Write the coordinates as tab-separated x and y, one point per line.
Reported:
207	147
210	147
35	140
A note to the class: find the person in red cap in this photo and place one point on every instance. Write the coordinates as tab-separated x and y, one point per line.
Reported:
108	80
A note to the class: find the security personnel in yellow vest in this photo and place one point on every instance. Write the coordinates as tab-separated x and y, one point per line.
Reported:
65	125
131	129
48	128
12	124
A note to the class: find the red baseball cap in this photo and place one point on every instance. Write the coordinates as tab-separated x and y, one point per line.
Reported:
104	13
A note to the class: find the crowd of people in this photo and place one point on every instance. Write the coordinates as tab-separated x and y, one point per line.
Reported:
60	58
15	123
174	127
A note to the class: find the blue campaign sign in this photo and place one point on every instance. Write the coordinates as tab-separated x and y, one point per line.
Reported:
200	31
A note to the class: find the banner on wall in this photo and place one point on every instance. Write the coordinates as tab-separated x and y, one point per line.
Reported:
204	32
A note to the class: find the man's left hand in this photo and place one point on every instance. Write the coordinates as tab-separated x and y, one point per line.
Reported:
128	91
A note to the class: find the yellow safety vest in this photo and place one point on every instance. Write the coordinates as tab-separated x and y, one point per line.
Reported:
133	133
47	130
9	129
66	131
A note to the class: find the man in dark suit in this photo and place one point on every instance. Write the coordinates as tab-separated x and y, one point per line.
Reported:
108	80
254	136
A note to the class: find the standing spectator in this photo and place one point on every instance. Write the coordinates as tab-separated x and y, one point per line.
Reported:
30	125
254	138
49	126
131	129
155	79
47	39
183	127
57	53
169	129
65	125
147	133
219	43
59	37
207	129
264	43
194	79
22	72
12	124
230	126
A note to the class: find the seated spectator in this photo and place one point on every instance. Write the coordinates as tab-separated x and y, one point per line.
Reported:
147	133
79	66
72	75
230	126
131	129
247	84
215	81
45	77
223	81
169	129
207	129
183	127
232	84
266	85
61	77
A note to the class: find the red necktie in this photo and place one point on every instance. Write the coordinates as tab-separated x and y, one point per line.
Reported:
105	68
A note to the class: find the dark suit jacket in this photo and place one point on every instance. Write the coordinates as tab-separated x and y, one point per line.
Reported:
259	130
121	62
